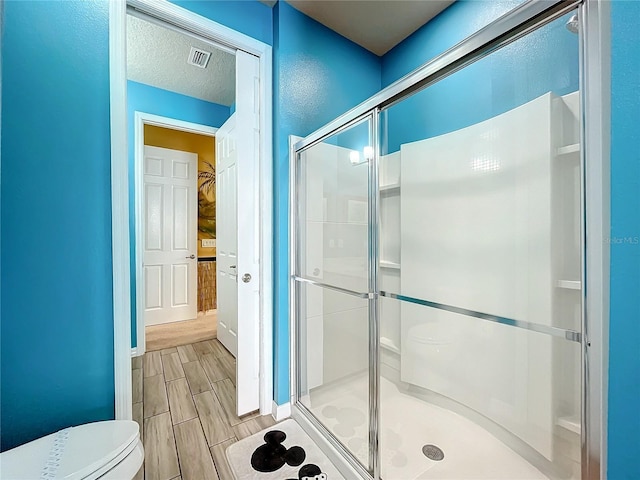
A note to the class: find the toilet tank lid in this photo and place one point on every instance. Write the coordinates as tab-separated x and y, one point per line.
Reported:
72	454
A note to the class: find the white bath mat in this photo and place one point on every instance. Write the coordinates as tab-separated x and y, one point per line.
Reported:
281	452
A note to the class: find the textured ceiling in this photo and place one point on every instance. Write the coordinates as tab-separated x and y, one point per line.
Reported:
158	56
377	25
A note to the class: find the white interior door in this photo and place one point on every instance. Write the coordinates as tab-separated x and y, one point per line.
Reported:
238	241
170	222
227	235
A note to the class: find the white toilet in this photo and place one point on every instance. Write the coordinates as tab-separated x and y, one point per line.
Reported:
105	450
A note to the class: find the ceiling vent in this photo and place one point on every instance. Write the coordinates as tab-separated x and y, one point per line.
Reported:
198	57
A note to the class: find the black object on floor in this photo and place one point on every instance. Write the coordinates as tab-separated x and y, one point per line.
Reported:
310	472
273	455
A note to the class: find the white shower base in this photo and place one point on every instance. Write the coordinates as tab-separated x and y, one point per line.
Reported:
406	424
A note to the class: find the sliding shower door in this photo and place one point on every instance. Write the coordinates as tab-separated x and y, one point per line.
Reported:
438	264
332	283
480	269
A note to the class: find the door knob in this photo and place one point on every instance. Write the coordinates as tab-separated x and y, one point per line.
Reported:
192	256
246	278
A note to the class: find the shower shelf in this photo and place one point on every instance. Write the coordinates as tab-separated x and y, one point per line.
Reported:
392	265
570	423
569	284
389	344
568	150
390	188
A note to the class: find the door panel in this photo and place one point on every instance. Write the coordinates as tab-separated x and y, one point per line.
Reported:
179	284
226	224
333	248
248	232
170	226
180	218
153	286
154	213
238	241
489	210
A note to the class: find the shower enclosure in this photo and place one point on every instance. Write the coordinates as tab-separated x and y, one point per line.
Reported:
437	264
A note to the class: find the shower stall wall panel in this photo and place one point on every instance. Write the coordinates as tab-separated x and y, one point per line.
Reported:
335	252
475	234
389	273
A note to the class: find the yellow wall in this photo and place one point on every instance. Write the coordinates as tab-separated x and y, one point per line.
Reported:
203	145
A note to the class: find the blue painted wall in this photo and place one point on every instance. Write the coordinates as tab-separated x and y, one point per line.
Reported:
246	16
318	75
624	327
56	319
148	99
451	26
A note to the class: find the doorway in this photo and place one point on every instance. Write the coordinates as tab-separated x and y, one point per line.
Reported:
195	319
258	76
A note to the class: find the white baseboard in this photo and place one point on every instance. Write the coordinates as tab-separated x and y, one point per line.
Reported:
280	412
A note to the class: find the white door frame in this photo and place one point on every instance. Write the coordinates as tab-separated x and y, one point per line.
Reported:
220	34
140	120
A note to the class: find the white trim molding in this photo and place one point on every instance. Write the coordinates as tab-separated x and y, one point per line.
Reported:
194	24
266	231
120	210
160	121
219	35
140	120
280	412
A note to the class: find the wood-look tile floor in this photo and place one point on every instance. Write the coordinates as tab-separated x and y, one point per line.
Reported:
184	401
166	335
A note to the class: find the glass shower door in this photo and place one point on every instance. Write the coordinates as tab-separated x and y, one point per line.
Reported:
480	269
331	285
